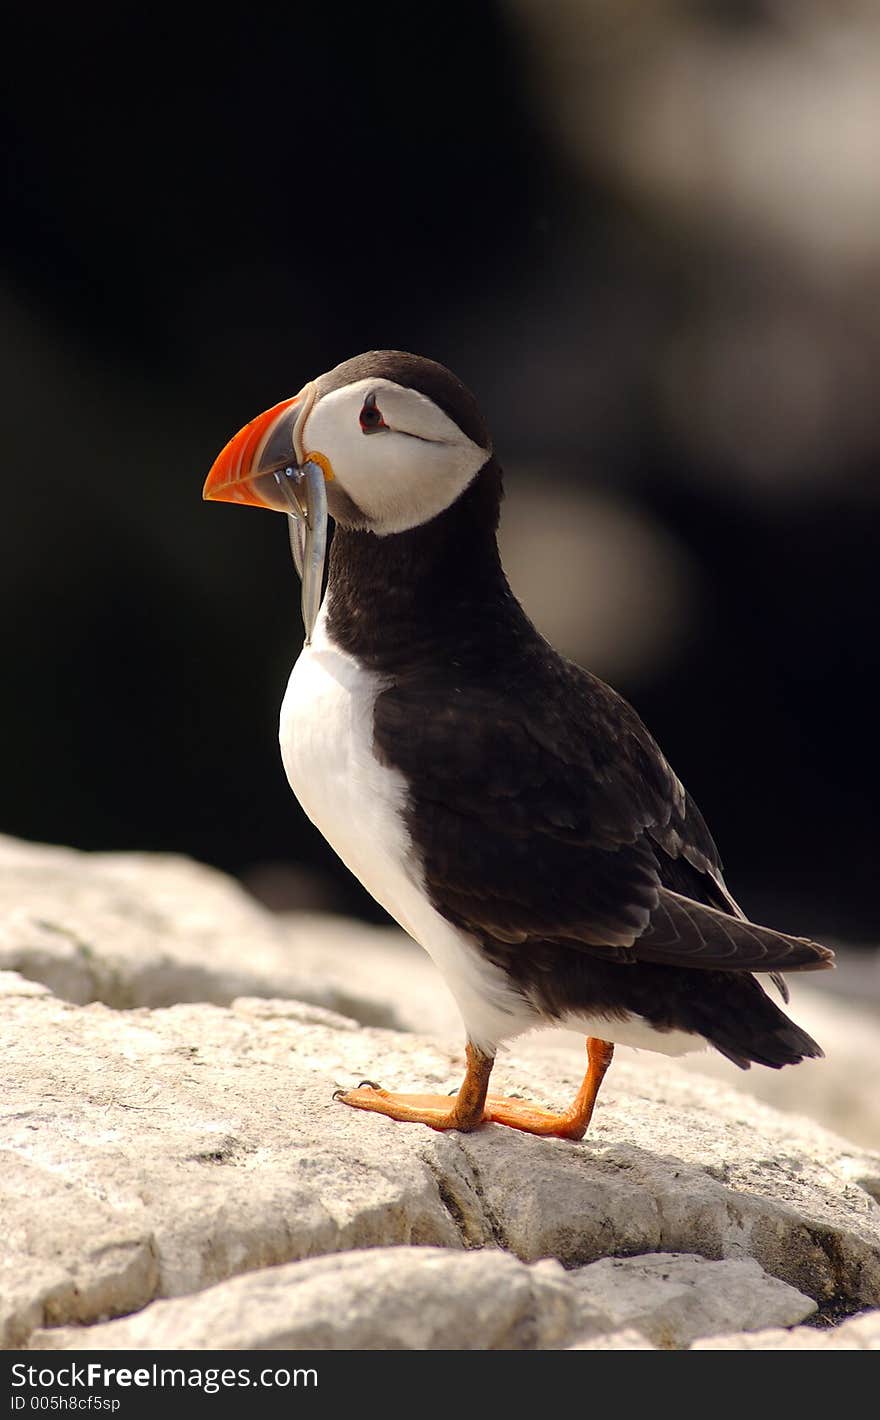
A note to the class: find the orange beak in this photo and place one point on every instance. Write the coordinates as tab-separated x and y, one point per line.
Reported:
244	471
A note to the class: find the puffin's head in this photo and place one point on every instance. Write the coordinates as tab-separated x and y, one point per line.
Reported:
398	438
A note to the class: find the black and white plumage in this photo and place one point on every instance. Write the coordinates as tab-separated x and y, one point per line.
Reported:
507	808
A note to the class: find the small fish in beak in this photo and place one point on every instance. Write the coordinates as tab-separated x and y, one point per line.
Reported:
305	492
264	465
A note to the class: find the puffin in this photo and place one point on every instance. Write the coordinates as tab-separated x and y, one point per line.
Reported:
506	807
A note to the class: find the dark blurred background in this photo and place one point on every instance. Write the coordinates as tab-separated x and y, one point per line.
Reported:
647	236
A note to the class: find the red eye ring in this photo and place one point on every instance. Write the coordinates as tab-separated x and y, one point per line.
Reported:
371	420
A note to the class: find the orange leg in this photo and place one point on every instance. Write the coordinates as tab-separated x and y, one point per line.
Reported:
574	1122
464	1112
473	1105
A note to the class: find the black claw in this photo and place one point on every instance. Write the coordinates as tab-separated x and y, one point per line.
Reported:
371	1084
337	1094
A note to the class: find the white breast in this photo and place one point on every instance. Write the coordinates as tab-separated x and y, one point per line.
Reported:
358	804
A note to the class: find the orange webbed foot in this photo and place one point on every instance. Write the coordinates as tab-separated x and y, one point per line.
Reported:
473	1105
533	1118
437	1111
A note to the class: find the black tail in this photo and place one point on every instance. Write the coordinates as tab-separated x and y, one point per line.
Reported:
741	1021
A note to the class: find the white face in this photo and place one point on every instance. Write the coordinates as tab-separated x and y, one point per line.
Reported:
399	475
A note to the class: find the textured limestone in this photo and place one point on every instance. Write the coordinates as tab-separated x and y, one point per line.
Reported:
625	1340
860	1333
137	929
385	1299
150	1154
670	1299
430	1299
165	1164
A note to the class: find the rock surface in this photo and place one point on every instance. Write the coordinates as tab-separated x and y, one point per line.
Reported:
429	1299
861	1333
135	929
180	1165
151	1154
671	1299
394	1299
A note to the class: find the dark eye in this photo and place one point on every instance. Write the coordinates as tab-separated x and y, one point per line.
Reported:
371	416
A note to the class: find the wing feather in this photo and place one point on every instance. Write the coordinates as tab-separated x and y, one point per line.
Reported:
546	812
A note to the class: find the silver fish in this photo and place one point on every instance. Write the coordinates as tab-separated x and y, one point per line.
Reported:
305	493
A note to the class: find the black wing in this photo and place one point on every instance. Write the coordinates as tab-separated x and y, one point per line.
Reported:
544	811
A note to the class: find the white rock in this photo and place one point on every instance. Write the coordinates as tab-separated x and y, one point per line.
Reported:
860	1333
385	1299
671	1299
678	1164
625	1340
153	1153
150	1154
138	929
12	983
194	1153
426	1298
